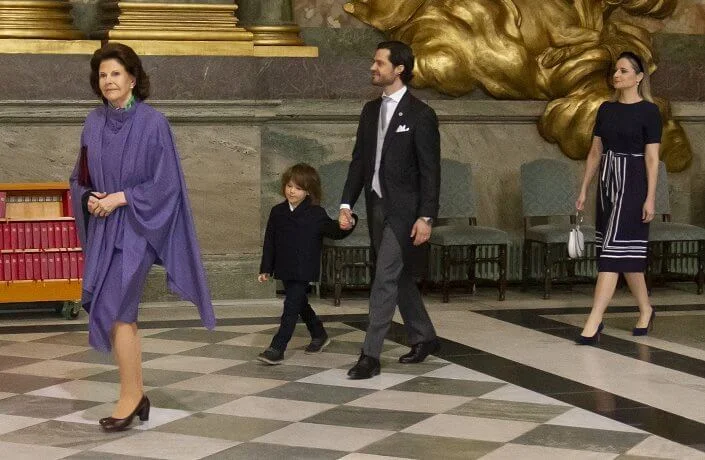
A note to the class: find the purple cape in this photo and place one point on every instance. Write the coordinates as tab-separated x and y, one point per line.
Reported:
157	217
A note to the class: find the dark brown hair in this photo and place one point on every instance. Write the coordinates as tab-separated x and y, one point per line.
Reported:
400	54
129	59
306	177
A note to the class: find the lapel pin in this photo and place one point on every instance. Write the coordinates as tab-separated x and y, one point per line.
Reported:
401	113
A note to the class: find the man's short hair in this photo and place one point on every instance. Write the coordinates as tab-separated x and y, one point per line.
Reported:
400	54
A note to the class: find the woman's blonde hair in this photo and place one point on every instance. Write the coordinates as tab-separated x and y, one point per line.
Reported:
644	86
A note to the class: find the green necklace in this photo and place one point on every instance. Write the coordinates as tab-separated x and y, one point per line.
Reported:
130	103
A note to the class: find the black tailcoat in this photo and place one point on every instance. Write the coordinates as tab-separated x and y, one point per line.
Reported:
410	170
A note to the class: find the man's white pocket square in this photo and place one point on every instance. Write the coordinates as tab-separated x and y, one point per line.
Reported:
402	129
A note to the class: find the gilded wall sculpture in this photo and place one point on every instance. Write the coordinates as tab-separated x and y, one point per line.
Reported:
556	50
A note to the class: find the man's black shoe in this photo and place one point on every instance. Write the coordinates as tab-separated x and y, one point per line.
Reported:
366	368
420	351
317	344
271	356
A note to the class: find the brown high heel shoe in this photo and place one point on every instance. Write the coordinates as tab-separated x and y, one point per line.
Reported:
111	424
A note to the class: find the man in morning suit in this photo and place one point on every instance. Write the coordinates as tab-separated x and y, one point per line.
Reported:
396	160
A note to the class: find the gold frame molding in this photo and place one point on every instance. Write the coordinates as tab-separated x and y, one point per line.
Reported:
158	48
284	35
37	19
170	21
43	46
157	29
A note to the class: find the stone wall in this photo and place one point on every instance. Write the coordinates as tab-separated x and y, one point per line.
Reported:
345	46
239	122
234	152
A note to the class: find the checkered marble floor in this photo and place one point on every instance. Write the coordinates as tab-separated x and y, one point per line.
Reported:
211	399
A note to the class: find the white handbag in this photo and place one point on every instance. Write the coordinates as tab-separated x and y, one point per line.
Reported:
576	241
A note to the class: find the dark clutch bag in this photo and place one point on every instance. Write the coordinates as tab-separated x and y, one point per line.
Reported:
84	180
84	176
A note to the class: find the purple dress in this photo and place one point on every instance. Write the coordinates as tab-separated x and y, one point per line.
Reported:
133	151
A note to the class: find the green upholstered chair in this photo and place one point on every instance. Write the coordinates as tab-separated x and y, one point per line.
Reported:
549	189
348	260
456	234
664	239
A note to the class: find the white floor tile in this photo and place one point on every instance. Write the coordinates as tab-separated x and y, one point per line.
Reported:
264	340
585	419
166	446
359	456
482	429
339	377
82	389
271	408
655	446
89	416
17	451
191	364
517	451
9	423
150	332
159	416
61	369
247	329
453	371
322	360
228	384
519	394
410	401
39	350
354	336
324	436
28	337
151	345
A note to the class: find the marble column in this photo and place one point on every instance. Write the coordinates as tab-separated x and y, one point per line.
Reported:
271	22
37	19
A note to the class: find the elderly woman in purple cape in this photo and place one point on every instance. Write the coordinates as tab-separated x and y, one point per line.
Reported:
133	210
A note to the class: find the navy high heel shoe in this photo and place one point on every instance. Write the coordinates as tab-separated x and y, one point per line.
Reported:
582	340
637	331
111	424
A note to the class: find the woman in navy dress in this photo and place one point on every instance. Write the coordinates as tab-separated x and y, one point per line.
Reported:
625	148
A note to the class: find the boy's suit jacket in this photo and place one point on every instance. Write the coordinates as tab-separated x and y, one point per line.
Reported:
293	240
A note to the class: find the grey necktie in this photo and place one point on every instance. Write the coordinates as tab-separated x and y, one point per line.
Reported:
384	123
381	132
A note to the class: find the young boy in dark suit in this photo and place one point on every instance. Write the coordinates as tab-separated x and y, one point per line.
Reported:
292	253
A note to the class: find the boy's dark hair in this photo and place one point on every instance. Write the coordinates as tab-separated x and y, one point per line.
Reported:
400	54
306	177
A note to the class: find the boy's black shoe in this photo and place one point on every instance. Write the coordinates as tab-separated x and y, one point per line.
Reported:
317	344
271	356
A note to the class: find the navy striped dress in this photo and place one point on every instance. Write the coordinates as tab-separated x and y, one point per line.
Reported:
621	237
